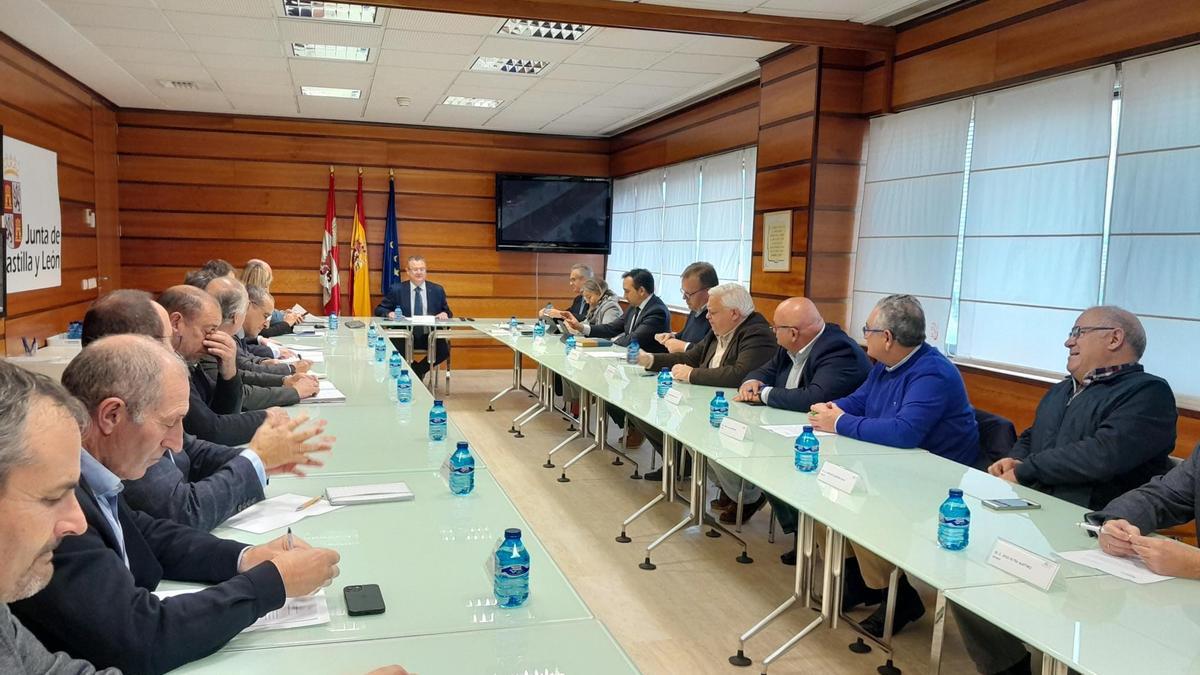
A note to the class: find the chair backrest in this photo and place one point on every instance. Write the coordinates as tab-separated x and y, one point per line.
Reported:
997	435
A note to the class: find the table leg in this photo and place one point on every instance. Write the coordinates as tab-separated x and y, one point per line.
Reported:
939	631
832	547
667	491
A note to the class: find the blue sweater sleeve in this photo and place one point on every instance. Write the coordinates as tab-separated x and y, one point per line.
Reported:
918	413
856	403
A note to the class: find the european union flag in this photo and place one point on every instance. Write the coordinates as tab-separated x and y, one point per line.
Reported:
391	248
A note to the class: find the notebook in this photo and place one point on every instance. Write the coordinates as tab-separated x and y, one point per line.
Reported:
368	494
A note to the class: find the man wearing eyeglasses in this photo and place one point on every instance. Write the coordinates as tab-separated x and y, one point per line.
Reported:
1106	429
694	284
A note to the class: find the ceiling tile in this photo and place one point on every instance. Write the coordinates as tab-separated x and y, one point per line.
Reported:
701	63
256	64
720	5
672	78
132	18
607	114
504	95
204	101
543	50
331	74
567	128
455	62
171	57
414	79
222	45
330	33
571	87
263	105
724	46
459	116
439	43
160	71
571	71
507	82
641	95
549	101
441	22
122	37
118	3
224	26
336	108
234	82
624	38
617	58
258	8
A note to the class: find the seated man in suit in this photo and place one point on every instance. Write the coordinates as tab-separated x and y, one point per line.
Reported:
579	306
418	297
912	398
694	285
40	427
264	385
645	316
815	362
739	342
263	349
98	605
1106	429
206	483
211	270
215	412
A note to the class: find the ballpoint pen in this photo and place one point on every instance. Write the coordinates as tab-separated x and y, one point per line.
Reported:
308	503
289	540
1090	527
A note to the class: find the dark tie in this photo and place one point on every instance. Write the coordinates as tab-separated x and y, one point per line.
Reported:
418	310
634	318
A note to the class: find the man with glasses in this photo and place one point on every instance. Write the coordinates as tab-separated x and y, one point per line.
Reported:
1105	429
912	398
695	282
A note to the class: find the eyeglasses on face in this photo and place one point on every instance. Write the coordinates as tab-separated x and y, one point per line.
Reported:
867	330
1076	331
688	296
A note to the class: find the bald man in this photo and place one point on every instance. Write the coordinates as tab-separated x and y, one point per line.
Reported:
816	361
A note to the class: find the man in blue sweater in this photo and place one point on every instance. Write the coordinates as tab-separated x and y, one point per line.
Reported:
913	398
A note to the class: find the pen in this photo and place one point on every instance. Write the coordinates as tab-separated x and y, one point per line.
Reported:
308	503
289	541
1090	527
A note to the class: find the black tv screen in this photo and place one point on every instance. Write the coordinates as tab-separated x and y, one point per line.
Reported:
553	213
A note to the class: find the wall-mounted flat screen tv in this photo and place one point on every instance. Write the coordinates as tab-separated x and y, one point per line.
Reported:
555	214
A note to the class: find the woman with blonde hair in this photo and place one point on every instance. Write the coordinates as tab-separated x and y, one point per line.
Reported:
258	273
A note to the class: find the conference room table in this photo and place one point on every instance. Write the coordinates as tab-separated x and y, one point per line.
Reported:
428	555
892	511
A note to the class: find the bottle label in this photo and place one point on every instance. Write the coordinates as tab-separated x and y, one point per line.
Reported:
954	522
464	470
514	570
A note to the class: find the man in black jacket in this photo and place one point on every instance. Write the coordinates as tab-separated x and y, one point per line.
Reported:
1107	428
579	307
418	297
815	361
98	605
695	282
215	411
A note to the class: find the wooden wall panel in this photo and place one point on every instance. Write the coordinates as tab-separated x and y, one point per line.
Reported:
44	107
787	97
195	187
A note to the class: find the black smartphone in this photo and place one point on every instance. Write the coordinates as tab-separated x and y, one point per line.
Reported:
363	599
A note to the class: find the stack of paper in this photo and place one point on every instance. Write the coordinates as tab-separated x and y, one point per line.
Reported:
328	393
277	512
793	430
312	610
369	494
310	355
1129	569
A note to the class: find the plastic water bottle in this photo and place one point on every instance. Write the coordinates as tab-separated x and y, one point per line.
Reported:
512	571
333	321
371	333
570	343
808	451
380	349
404	387
437	422
632	353
394	366
718	409
954	522
539	329
462	470
664	382
513	324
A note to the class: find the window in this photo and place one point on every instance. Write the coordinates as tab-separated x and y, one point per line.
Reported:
668	218
1008	213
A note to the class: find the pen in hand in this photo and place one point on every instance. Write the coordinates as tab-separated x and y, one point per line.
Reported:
290	543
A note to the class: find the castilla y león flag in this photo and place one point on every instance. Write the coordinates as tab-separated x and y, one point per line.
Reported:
330	290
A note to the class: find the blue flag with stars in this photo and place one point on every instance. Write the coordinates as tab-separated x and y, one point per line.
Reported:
391	249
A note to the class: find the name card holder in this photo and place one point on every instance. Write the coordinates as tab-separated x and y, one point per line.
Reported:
734	429
674	397
838	477
610	372
1022	564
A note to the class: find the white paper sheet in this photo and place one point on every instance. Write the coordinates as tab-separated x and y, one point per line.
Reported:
307	331
423	320
310	610
792	430
1129	569
606	354
328	393
369	494
277	512
310	355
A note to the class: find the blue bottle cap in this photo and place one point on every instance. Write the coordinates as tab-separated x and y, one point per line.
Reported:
807	429
512	533
462	445
955	492
665	370
404	371
720	394
437	402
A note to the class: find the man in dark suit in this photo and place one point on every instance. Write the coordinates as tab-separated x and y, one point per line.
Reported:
579	306
815	361
206	483
98	605
418	297
215	412
645	316
694	285
740	341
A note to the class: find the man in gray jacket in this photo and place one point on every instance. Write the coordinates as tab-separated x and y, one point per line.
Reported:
38	474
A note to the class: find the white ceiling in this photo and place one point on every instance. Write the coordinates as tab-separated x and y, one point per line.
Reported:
239	53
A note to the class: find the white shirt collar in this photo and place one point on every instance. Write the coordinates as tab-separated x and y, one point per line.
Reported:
801	355
905	359
645	302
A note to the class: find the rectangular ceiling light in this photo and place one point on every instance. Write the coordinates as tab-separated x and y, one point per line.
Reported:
547	30
335	52
329	11
472	102
332	92
494	64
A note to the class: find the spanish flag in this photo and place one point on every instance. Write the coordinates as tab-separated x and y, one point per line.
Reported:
360	274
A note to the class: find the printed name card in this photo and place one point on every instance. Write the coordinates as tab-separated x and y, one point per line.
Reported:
576	355
733	429
837	477
1022	564
675	397
610	372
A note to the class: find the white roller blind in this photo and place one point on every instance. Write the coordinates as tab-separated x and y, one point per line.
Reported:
724	238
1154	249
620	257
1032	240
912	200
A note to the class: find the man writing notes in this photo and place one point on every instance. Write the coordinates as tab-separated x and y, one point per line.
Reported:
98	604
695	282
912	398
815	362
418	297
1105	429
